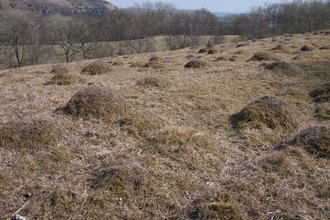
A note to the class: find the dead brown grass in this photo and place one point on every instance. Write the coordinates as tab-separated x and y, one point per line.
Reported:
153	81
66	79
262	56
96	68
57	69
195	64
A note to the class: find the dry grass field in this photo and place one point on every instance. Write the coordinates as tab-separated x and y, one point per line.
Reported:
244	137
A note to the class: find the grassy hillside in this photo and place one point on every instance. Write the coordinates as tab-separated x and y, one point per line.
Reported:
242	137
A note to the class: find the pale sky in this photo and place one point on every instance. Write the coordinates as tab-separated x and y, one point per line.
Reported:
230	6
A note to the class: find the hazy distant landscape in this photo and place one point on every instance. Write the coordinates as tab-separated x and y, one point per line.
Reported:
189	117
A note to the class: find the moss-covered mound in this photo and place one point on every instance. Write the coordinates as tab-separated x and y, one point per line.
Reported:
325	48
153	81
307	48
212	51
322	93
59	69
66	79
137	64
242	45
262	56
96	68
220	59
33	133
97	102
267	111
119	63
195	64
315	139
203	50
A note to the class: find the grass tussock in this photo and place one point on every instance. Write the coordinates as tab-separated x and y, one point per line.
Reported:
220	59
32	133
96	68
212	51
137	64
268	111
307	48
242	45
281	67
119	63
325	48
58	69
322	93
280	48
189	57
203	50
97	102
154	65
66	79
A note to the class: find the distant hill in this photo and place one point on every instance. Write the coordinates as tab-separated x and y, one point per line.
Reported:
84	7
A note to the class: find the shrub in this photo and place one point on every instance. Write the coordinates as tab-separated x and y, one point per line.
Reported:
268	111
137	64
322	93
203	50
96	68
315	139
212	51
153	81
59	69
195	64
262	56
30	133
97	102
66	79
307	48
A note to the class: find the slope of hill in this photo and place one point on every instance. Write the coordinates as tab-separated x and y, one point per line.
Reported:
47	6
246	136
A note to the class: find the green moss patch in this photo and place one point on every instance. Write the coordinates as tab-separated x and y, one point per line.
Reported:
97	102
30	133
66	79
268	111
96	68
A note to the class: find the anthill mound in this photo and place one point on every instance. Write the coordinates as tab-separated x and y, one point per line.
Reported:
203	50
315	139
140	124
233	59
96	68
155	58
33	133
118	63
212	51
59	69
195	64
267	111
280	48
154	65
66	79
137	64
97	102
262	56
325	48
190	57
281	67
322	93
307	48
153	81
242	45
220	59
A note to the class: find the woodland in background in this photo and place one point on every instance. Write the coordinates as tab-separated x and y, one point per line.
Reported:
28	38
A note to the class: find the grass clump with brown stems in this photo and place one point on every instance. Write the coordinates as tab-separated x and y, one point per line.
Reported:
281	67
262	56
57	69
307	48
97	102
267	111
66	79
212	51
137	64
322	93
96	68
119	63
32	133
203	50
280	48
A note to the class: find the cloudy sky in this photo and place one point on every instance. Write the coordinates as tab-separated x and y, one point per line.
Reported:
231	6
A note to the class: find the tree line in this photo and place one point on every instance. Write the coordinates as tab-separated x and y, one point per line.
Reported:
28	38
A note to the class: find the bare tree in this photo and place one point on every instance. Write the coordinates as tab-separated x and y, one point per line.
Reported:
273	12
14	28
64	35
